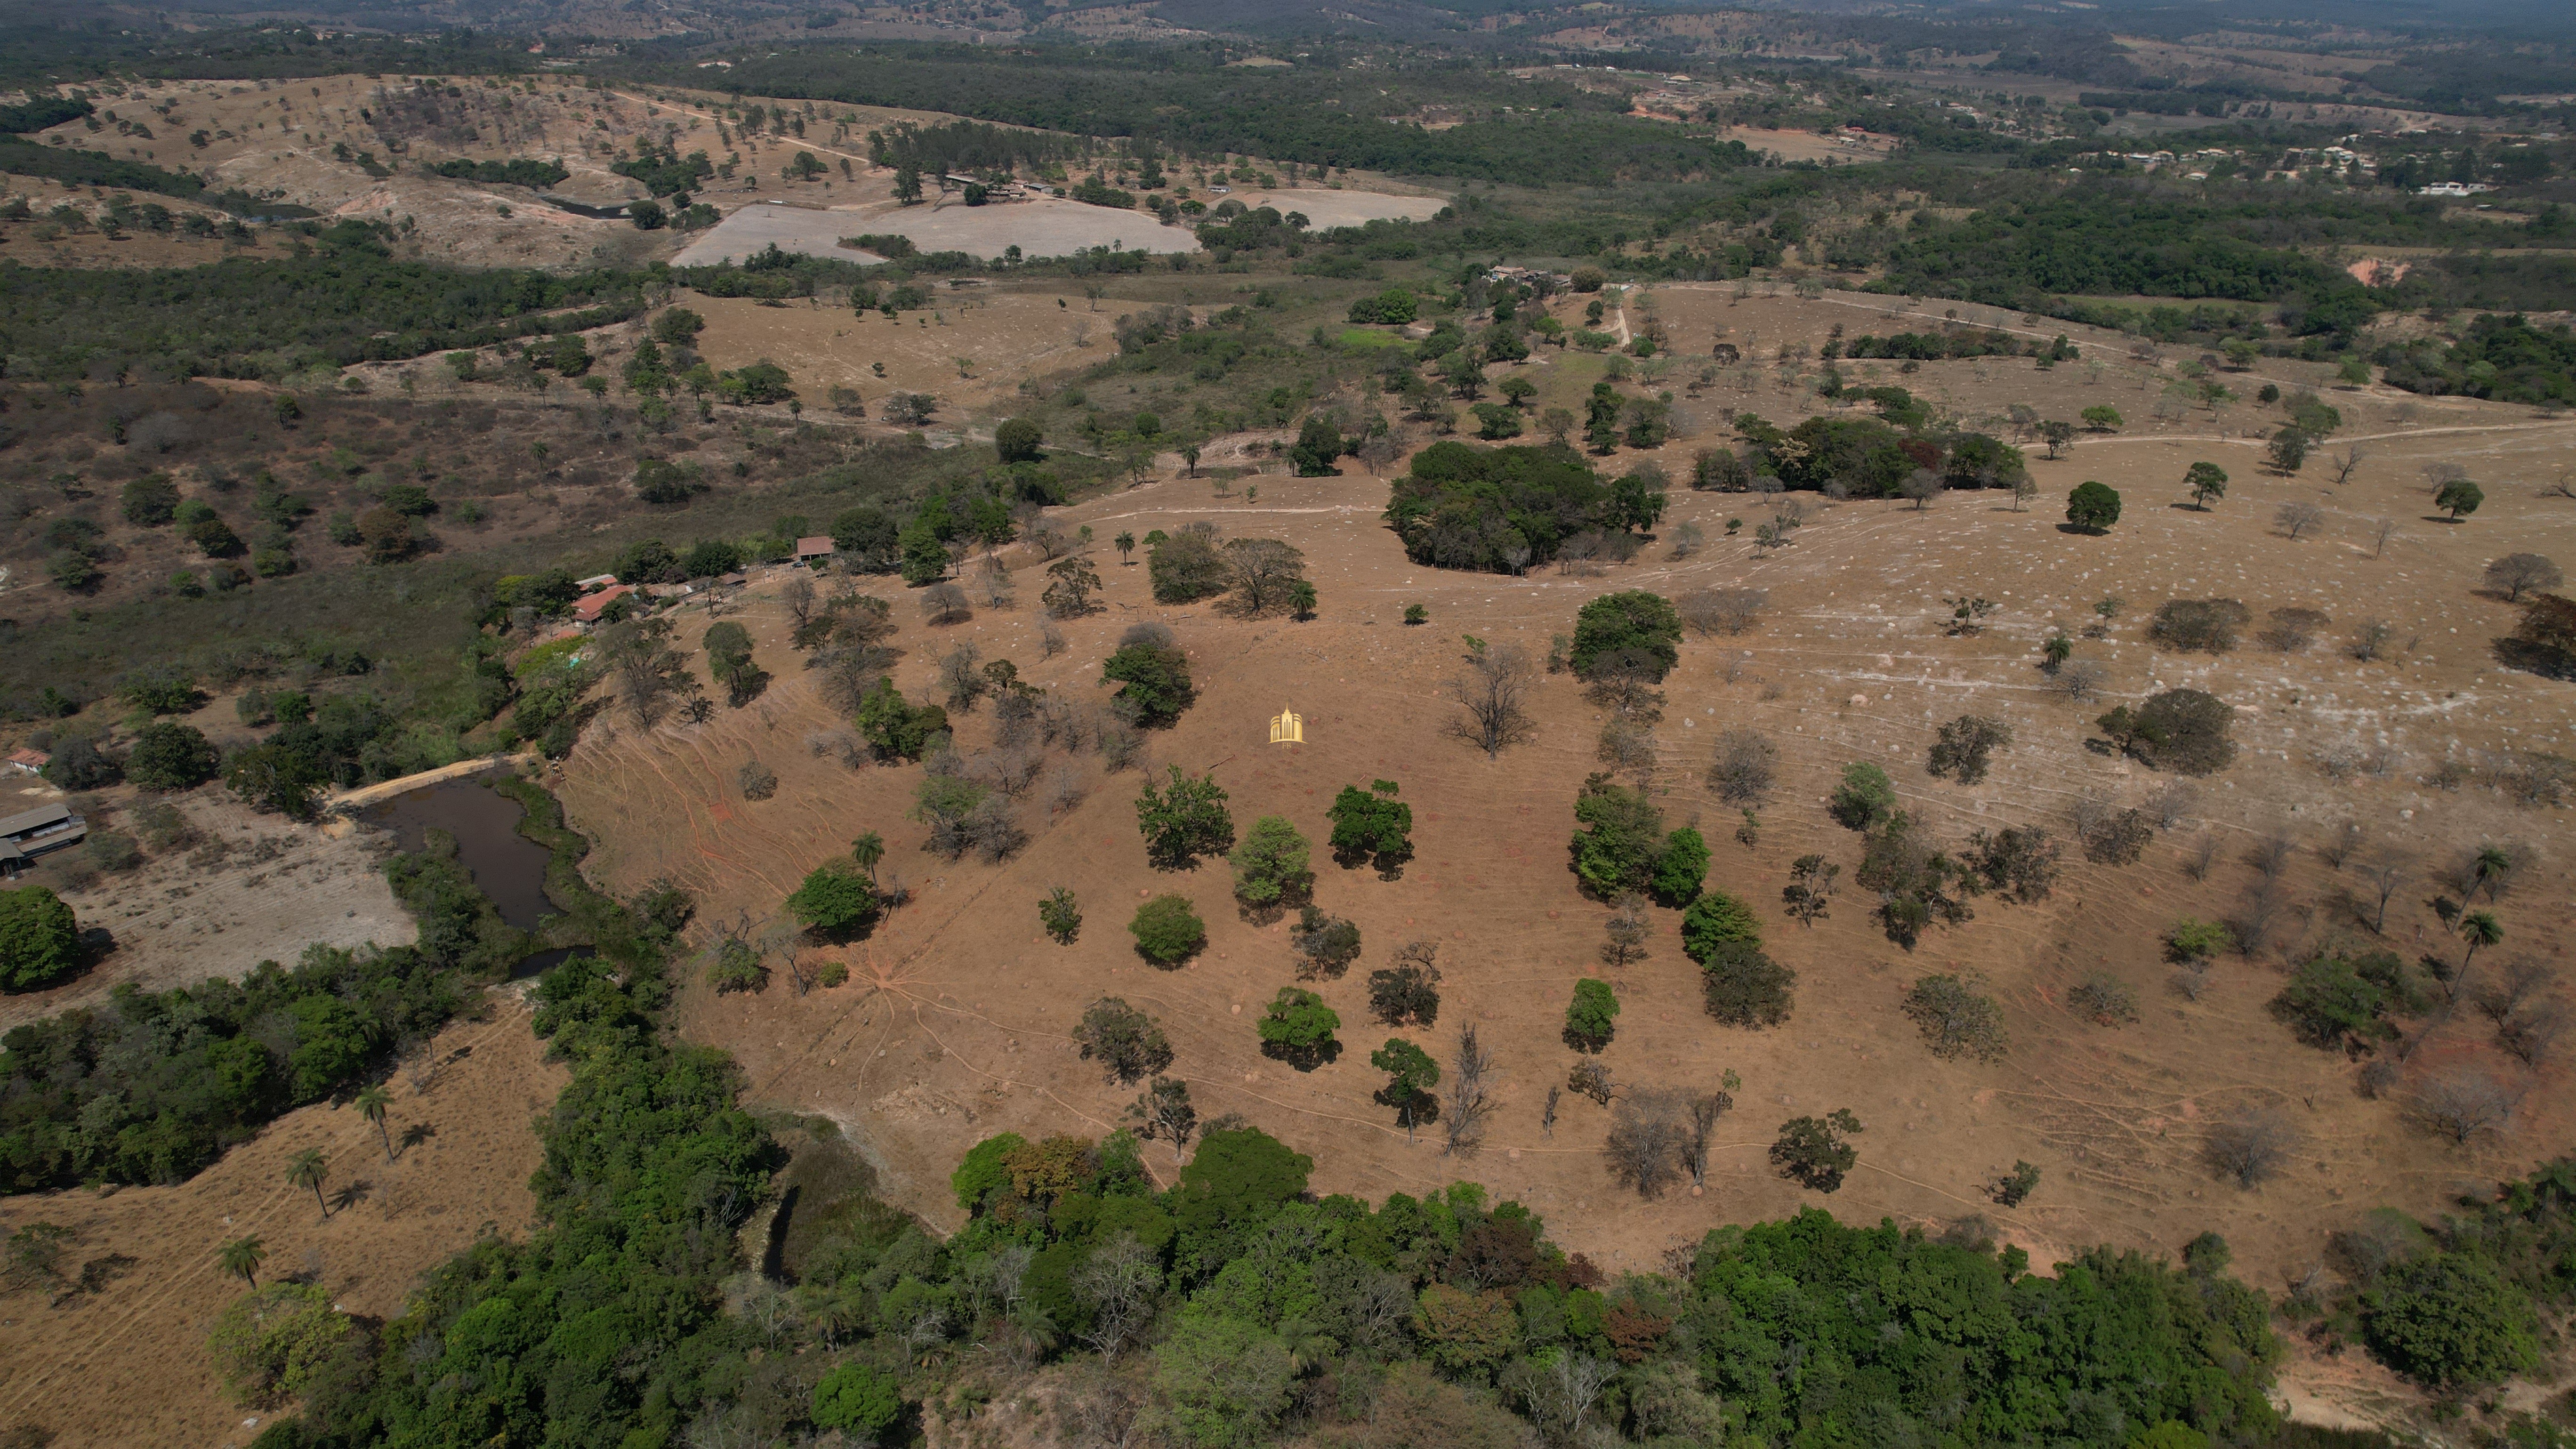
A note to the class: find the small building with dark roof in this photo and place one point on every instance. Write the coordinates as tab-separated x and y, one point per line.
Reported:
41	831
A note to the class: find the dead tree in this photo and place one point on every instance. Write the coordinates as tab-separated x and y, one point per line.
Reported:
2251	1148
1471	1097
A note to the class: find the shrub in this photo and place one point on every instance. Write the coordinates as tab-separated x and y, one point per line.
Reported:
2193	940
268	1342
1325	945
2183	730
1964	747
1956	1019
1187	566
834	900
1745	767
1864	798
1167	931
2209	625
168	757
1591	1017
1722	611
1297	1028
1631	627
758	781
1061	914
2337	999
2018	861
1123	1040
1270	864
39	939
2104	1000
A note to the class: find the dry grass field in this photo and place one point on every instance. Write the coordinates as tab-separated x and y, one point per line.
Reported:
127	1365
955	1024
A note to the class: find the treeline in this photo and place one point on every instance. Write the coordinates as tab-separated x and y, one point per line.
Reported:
348	301
968	147
2505	359
39	56
517	171
1184	100
22	157
1258	1309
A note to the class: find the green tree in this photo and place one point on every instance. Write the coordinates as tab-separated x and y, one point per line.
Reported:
311	1169
1297	1028
2459	497
894	725
372	1102
1371	823
241	1258
2102	419
1816	1151
1718	919
2204	481
168	757
2193	940
1617	849
1270	865
1019	440
1184	821
1864	799
835	900
1410	1076
1681	868
1061	914
1634	626
39	940
2093	507
1157	683
1591	1017
1318	444
1167	931
150	501
1742	986
2287	451
2450	1320
860	1401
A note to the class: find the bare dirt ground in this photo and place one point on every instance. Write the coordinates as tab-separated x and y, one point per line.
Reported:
128	1365
1040	227
251	888
956	1022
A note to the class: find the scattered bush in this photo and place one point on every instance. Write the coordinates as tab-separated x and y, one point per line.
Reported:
1591	1017
1324	945
1815	1152
2205	625
1957	1020
1407	993
1965	746
1167	931
1125	1041
2183	730
1722	611
1743	987
1864	799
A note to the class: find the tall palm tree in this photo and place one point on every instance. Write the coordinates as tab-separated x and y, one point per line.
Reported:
2492	866
311	1169
372	1103
241	1257
2478	929
867	850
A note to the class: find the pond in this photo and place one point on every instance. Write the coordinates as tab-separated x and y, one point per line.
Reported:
507	866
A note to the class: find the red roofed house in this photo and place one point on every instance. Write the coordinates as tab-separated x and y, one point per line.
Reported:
29	761
587	608
810	549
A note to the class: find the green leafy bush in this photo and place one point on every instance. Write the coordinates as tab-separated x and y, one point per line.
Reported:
1167	931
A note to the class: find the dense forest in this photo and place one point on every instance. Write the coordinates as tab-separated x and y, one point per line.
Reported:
1186	101
344	299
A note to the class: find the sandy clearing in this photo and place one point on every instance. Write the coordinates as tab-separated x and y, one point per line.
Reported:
181	918
1043	226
